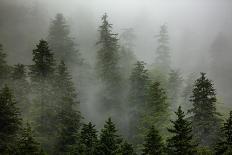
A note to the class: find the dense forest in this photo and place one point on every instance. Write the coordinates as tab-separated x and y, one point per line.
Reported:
103	99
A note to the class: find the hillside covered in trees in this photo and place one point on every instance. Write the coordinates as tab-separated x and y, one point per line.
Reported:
96	95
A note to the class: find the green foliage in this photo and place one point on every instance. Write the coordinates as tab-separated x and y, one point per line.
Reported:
181	142
4	68
204	151
88	140
27	145
109	142
206	122
68	117
62	44
126	149
153	143
9	121
156	111
224	144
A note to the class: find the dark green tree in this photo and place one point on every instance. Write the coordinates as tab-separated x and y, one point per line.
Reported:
181	142
68	115
138	89
126	149
21	89
153	144
163	60
224	144
10	121
42	75
109	142
88	140
4	68
156	110
206	122
62	44
27	145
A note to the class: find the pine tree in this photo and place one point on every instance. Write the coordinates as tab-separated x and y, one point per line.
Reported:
181	142
88	139
139	85
126	149
153	143
27	145
163	59
42	74
156	109
206	122
21	89
225	143
108	68
9	121
109	142
68	116
4	68
62	44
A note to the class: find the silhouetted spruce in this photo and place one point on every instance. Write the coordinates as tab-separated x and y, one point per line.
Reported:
153	144
4	68
9	121
126	149
181	142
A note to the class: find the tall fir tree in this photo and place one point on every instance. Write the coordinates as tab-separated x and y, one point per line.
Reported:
68	115
109	142
156	110
88	140
153	144
4	68
62	44
126	149
108	68
42	74
224	144
27	145
21	89
138	89
206	121
10	122
181	142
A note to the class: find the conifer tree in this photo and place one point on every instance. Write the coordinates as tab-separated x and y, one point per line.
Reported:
27	145
21	89
109	142
206	122
9	121
156	109
108	68
42	74
163	59
88	139
181	142
153	144
139	85
62	44
4	68
224	145
126	149
68	115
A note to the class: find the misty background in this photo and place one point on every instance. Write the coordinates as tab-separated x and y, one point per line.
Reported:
200	32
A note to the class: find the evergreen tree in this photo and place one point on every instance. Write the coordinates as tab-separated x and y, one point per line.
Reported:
68	116
108	69
42	74
88	140
27	145
224	146
9	121
126	149
163	59
206	122
139	85
153	143
61	43
4	68
181	142
21	89
156	110
109	142
174	88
